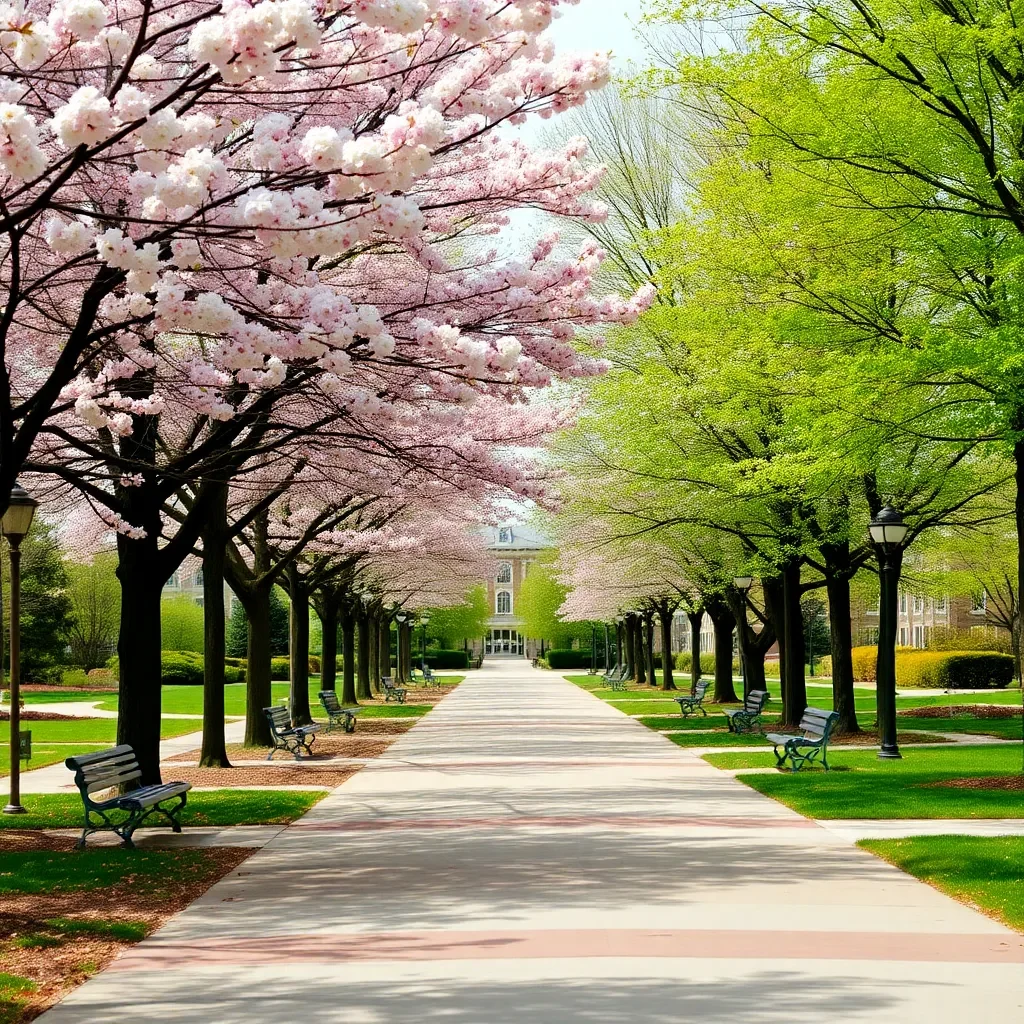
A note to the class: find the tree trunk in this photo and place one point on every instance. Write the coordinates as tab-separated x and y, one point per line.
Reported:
1018	508
725	624
384	636
328	611
753	645
665	617
298	648
348	655
794	686
638	650
406	635
138	653
214	751
258	692
363	691
648	635
627	643
841	644
373	664
695	618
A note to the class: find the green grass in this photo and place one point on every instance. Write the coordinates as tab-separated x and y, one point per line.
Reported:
96	730
1003	728
862	786
124	931
213	807
43	755
53	697
983	872
12	988
718	739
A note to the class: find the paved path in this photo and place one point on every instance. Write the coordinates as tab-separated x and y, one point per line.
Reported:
528	854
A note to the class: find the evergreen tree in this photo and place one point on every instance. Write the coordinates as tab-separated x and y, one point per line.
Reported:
237	640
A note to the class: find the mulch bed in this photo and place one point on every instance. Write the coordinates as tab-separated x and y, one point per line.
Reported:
870	739
274	773
105	687
39	716
965	710
1001	782
60	967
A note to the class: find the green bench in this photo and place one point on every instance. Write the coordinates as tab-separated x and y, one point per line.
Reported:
287	737
392	692
336	714
817	726
110	769
693	702
746	718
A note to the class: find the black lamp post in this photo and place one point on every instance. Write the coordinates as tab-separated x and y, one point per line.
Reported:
743	584
593	649
888	532
400	646
424	619
607	653
17	521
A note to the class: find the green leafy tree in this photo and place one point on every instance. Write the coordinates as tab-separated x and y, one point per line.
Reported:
540	597
181	624
46	609
95	598
450	626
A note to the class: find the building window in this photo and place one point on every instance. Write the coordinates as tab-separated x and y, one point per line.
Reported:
173	581
503	603
199	578
505	535
872	634
505	572
978	603
918	605
918	636
940	604
903	636
903	603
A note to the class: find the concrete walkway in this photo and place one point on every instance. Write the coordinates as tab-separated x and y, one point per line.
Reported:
527	853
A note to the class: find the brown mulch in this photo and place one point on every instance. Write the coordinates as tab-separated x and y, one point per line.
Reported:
39	716
106	687
59	967
385	726
1002	782
274	773
968	710
870	739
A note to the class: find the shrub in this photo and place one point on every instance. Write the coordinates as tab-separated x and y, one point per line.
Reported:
314	664
280	668
449	659
864	663
953	670
233	674
100	675
74	677
683	663
181	668
825	665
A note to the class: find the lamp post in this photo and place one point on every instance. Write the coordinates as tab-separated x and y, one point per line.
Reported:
423	643
888	532
400	646
743	585
607	653
593	649
17	521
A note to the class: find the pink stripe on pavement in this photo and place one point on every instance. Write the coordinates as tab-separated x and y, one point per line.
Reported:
561	821
557	944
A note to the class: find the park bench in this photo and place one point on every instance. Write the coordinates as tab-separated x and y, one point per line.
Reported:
745	718
288	737
392	692
693	702
336	714
617	679
110	769
817	726
428	674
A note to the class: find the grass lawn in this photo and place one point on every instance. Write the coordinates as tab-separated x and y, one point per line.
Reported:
43	755
96	730
213	807
981	872
862	786
55	697
1003	728
715	721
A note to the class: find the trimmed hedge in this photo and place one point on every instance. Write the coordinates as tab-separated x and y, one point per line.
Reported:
280	668
565	658
446	659
684	662
954	670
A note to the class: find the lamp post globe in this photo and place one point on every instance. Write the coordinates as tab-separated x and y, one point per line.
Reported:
887	529
16	523
743	583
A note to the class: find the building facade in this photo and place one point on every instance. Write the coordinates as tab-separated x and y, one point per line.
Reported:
513	548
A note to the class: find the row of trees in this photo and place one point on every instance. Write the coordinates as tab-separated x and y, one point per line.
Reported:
252	315
831	209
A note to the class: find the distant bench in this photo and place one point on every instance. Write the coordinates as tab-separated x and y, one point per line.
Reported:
392	692
336	714
744	719
691	703
288	737
817	726
107	769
